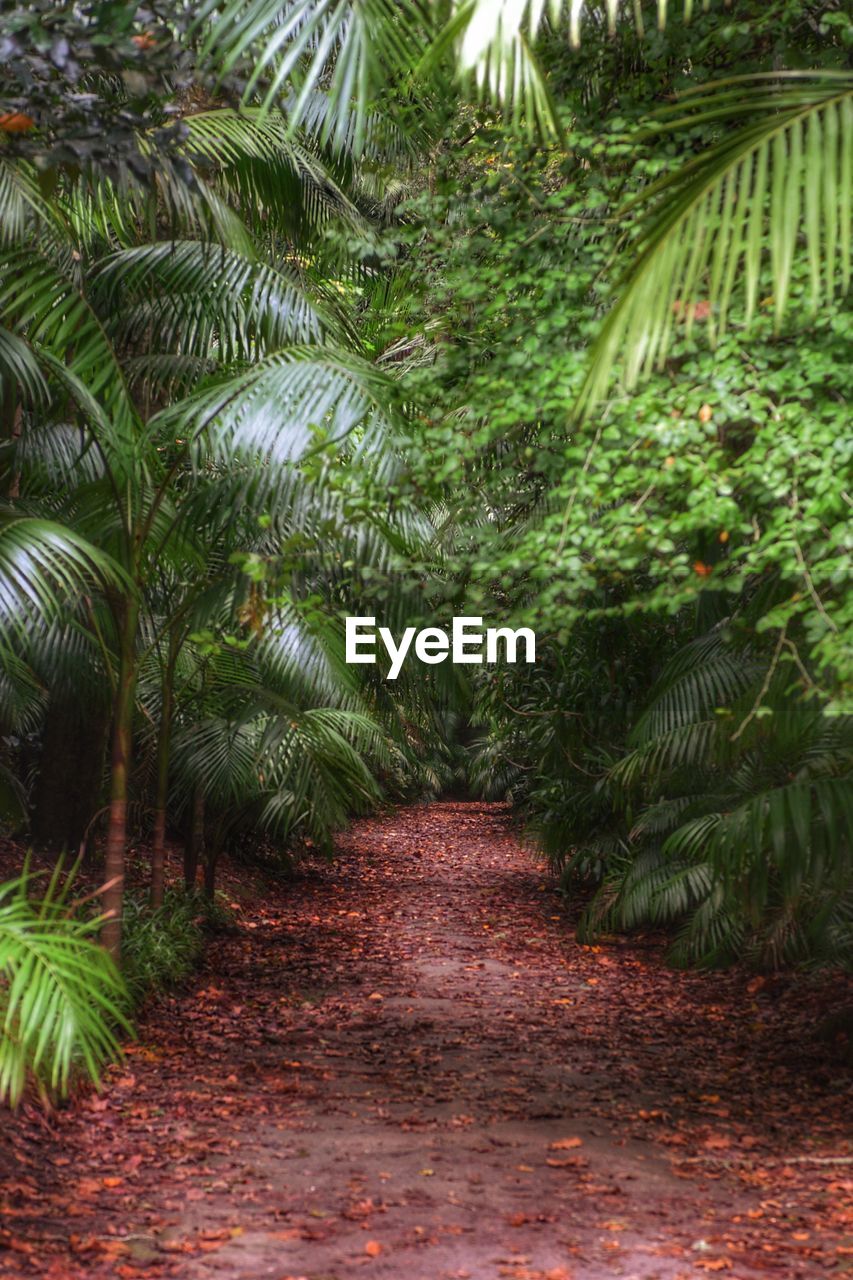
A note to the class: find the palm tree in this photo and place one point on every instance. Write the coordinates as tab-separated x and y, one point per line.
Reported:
62	1001
740	787
176	420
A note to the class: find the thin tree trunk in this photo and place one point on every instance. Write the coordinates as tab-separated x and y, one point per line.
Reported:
12	425
113	895
17	428
158	857
194	846
211	857
210	875
158	851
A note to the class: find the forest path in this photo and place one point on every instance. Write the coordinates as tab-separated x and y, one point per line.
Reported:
405	1067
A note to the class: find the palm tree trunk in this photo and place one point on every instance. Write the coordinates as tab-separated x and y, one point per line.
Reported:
211	857
112	896
12	424
210	861
158	851
195	841
15	477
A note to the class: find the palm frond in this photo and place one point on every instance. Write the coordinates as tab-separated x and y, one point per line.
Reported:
41	303
42	565
193	298
797	831
284	404
306	661
359	52
19	370
711	682
56	454
272	173
777	188
685	746
349	47
61	998
493	44
496	49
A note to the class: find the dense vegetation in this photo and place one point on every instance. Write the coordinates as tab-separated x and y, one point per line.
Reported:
410	311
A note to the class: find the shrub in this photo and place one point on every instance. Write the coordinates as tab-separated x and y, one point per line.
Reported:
161	947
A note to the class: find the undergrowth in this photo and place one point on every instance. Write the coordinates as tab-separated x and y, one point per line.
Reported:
162	947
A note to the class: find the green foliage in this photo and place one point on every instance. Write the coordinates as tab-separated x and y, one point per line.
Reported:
367	55
727	813
721	467
785	175
62	1003
697	519
42	563
751	845
162	947
416	310
213	388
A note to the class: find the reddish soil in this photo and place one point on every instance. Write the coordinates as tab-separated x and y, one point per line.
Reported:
404	1067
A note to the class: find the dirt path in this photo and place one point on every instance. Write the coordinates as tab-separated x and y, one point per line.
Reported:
405	1067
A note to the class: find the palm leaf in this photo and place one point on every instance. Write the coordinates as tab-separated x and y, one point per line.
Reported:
282	405
494	49
776	188
40	301
42	565
361	51
273	174
19	369
705	676
61	997
205	300
352	48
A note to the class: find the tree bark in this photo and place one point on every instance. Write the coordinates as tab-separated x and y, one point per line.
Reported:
12	426
211	857
112	897
194	847
210	861
158	850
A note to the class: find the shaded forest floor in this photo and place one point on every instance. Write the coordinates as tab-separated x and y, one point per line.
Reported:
404	1066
